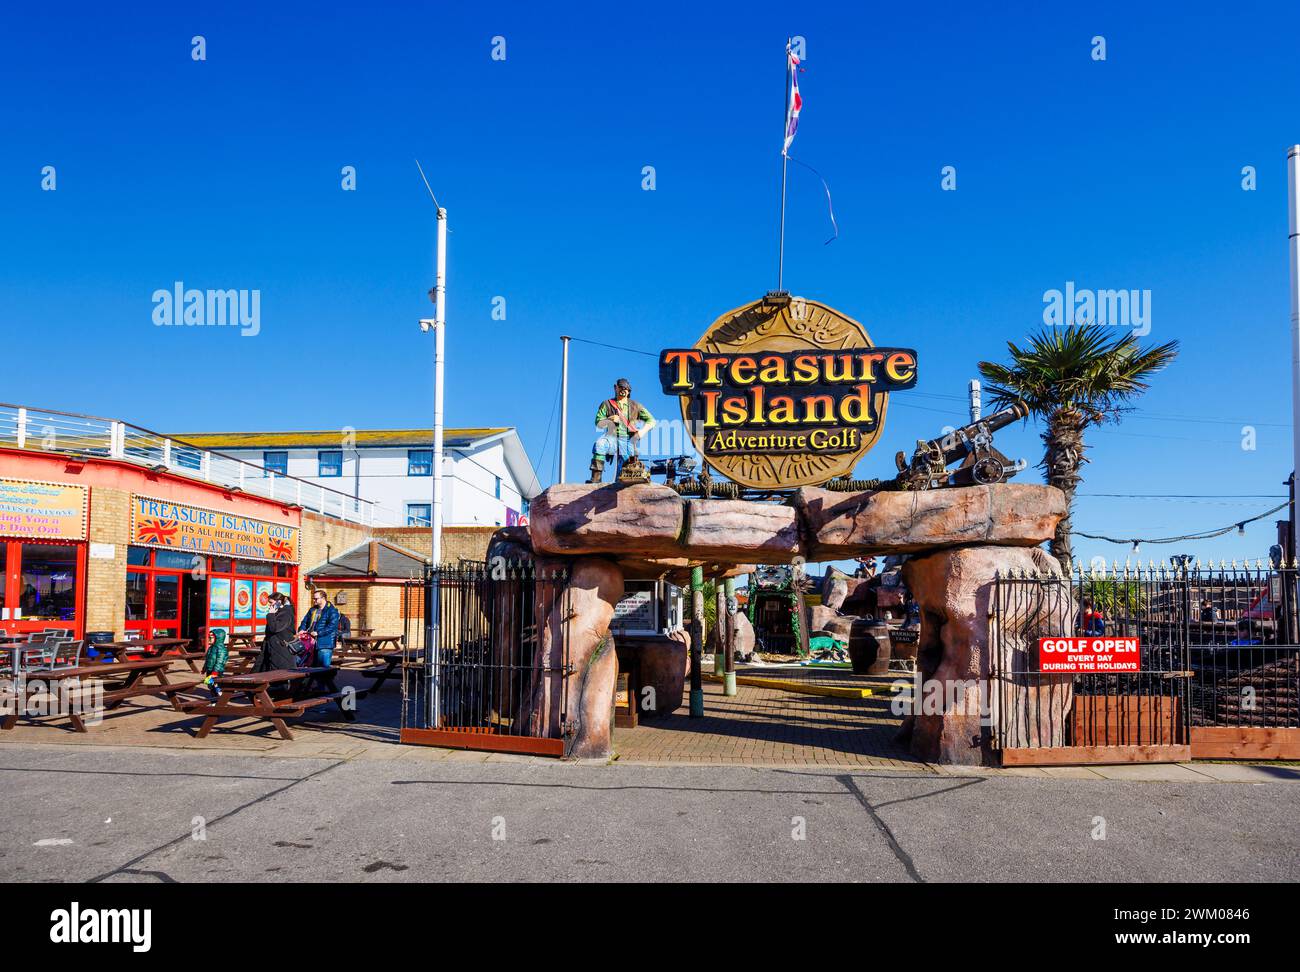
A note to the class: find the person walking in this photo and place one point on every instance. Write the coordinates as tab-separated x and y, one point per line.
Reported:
322	622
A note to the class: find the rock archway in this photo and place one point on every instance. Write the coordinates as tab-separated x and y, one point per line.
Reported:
960	538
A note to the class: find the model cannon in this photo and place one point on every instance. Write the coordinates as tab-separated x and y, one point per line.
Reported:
981	462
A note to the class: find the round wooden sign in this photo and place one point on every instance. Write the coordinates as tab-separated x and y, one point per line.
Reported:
785	392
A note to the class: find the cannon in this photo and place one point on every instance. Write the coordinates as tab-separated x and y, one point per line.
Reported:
981	462
670	467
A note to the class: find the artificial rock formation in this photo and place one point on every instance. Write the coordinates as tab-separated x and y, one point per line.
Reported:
845	525
737	530
742	647
961	536
647	521
835	590
663	663
954	589
580	615
642	520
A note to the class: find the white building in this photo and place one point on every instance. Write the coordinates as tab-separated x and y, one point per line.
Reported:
488	479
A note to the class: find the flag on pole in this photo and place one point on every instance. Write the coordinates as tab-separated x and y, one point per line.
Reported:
794	101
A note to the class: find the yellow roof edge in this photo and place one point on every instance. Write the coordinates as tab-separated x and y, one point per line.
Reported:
330	437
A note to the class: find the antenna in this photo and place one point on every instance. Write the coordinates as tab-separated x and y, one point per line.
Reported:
426	184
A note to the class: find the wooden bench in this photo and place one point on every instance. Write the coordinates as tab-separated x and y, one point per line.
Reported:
307	688
394	663
112	683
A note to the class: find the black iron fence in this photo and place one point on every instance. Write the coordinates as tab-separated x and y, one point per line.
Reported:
493	658
1218	648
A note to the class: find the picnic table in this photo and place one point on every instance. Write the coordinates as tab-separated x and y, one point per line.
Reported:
149	648
123	680
370	648
390	662
241	660
249	696
243	639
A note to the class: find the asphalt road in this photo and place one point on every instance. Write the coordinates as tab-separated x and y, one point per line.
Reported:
129	815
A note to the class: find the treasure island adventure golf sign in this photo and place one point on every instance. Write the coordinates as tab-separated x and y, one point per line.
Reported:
785	392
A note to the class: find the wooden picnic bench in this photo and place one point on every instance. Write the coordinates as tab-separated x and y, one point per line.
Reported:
391	663
122	680
150	648
250	696
369	648
241	660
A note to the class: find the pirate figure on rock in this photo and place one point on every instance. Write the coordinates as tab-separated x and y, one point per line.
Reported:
617	420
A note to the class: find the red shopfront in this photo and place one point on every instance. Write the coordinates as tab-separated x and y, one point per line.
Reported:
182	574
172	595
43	530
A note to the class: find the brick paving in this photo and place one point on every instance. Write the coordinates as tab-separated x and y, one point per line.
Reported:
760	725
770	726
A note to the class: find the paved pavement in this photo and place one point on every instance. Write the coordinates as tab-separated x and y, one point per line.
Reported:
765	725
132	814
759	725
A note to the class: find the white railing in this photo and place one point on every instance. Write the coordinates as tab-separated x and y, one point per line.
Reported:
49	430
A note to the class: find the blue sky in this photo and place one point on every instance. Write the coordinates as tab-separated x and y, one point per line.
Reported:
225	173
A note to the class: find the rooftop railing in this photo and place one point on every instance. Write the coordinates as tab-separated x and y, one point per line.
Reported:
69	433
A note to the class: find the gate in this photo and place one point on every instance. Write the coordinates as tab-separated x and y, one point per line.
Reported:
1219	675
488	669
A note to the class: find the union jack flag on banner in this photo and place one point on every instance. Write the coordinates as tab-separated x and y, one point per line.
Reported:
794	102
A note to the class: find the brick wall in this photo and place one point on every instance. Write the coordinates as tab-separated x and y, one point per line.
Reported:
458	542
110	522
322	536
375	606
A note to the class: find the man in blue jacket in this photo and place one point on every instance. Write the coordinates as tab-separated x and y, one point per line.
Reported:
322	620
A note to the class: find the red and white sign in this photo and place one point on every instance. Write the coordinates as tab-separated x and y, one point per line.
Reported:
1088	656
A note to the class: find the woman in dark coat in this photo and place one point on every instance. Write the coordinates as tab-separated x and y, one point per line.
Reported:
276	653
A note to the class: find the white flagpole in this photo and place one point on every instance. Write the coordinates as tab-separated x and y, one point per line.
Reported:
785	162
1293	214
440	327
564	406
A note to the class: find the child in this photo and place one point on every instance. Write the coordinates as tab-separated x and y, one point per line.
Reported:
214	662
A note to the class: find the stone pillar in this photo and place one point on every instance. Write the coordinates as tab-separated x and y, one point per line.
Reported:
579	617
954	710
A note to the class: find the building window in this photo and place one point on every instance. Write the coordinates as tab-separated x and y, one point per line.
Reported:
185	458
275	462
419	462
419	514
331	464
498	487
48	583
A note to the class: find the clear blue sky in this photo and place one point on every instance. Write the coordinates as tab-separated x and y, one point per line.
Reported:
226	174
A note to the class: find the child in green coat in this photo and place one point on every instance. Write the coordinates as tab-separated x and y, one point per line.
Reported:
214	662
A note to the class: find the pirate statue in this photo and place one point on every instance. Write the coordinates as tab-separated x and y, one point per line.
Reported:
617	420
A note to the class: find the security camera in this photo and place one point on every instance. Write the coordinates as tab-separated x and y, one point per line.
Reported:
426	324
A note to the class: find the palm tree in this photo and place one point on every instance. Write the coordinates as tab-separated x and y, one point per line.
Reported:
1073	377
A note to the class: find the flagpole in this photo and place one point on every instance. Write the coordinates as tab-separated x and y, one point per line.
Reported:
785	162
